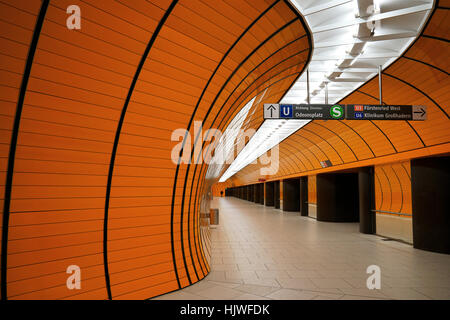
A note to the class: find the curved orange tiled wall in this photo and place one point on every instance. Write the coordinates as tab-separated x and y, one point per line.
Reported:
312	190
393	200
419	77
89	178
393	189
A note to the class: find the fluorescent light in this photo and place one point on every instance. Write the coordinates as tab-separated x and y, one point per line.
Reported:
271	133
332	37
227	141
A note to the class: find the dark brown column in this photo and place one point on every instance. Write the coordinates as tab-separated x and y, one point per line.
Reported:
291	195
270	194
277	195
430	189
366	192
304	196
337	197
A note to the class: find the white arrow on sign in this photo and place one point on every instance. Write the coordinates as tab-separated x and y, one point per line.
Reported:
271	111
419	113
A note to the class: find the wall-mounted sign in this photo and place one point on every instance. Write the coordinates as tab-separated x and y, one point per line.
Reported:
326	163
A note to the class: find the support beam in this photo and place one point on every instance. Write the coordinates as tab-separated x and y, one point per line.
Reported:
256	194
307	86
380	85
337	197
304	196
277	195
430	190
261	193
291	195
366	187
269	194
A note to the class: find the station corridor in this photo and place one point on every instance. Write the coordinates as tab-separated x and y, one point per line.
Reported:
316	131
260	252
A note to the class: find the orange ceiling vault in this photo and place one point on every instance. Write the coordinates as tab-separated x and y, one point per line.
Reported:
419	77
86	122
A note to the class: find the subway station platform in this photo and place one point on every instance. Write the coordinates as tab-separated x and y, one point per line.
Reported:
124	123
260	252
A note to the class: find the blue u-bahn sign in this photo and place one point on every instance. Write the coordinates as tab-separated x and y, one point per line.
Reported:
286	111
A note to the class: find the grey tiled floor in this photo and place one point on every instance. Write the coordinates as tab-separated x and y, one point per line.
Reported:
263	253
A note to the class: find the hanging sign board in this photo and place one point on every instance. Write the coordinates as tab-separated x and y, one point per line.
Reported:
345	112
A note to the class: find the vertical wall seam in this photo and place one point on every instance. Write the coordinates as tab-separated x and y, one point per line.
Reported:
390	187
13	145
116	142
401	187
381	191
